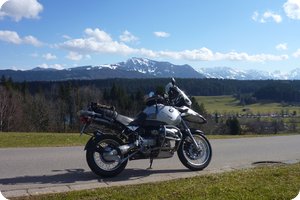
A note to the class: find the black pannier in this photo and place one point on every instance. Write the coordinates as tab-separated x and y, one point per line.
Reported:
104	110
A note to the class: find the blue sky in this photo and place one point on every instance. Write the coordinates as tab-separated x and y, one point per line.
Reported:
248	34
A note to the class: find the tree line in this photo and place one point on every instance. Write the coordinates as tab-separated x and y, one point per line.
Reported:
276	90
53	106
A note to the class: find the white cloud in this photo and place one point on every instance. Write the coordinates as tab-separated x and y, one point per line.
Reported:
66	37
54	66
297	54
128	37
161	34
49	56
267	57
282	46
277	18
98	35
96	41
205	54
147	52
18	9
13	37
292	9
255	16
10	37
32	41
266	16
74	56
2	2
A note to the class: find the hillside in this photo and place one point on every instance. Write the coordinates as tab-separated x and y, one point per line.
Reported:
132	68
144	68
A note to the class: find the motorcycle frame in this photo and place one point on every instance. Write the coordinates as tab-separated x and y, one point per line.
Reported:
185	111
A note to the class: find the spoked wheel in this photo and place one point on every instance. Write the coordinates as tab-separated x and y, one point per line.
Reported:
193	158
104	157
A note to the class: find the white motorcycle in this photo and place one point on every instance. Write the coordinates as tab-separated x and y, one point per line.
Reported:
157	132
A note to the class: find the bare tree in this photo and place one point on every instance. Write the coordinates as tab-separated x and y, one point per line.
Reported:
9	104
4	107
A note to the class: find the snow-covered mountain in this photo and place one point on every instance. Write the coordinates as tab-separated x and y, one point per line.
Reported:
231	73
144	68
147	68
132	68
159	69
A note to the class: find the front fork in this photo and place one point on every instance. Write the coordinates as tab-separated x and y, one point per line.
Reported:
188	131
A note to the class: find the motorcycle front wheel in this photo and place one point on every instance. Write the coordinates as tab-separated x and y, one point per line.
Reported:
193	158
104	156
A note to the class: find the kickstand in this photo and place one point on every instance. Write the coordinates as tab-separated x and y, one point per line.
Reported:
151	162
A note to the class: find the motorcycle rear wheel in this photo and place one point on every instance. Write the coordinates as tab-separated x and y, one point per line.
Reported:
100	158
193	158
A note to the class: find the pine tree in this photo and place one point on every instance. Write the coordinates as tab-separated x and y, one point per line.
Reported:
198	108
234	126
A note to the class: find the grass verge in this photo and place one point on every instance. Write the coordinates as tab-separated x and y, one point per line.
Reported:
12	139
277	182
18	140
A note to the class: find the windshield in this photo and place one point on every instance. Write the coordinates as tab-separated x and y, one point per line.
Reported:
176	96
187	101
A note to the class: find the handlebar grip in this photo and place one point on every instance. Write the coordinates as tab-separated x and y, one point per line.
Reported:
86	113
89	113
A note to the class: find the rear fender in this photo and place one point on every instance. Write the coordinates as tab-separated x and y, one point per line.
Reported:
92	141
90	144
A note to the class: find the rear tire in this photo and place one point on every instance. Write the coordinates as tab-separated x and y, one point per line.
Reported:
192	158
99	162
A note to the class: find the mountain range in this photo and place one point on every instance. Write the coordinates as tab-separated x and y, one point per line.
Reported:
143	68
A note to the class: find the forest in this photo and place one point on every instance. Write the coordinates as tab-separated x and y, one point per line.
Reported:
53	106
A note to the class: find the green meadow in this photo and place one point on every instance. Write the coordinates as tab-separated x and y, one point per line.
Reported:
228	104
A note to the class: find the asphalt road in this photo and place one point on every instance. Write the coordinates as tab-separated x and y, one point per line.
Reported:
30	171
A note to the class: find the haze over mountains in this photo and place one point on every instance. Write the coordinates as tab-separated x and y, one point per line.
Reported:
144	68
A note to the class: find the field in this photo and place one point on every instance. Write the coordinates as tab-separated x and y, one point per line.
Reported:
228	104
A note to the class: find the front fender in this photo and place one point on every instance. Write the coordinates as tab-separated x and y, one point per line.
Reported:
198	131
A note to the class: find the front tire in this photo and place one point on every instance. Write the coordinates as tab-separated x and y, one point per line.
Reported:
193	158
104	156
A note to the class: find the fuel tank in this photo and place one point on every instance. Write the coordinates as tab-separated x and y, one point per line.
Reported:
162	113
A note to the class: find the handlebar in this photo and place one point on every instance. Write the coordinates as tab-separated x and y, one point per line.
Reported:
86	113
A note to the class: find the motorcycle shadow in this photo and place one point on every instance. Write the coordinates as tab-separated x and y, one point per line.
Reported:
74	176
66	176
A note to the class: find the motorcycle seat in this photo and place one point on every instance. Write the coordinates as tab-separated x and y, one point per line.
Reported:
124	119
